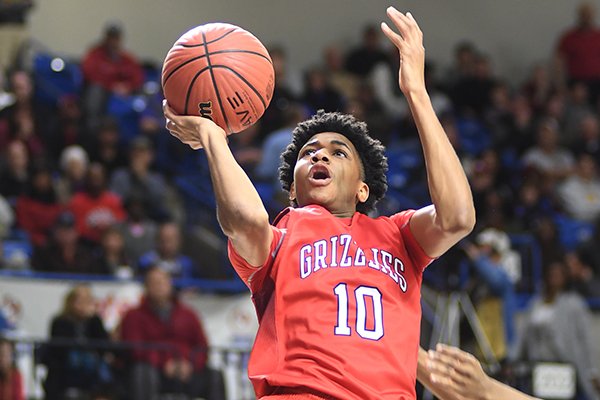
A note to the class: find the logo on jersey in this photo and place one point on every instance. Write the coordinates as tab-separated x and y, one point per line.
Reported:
342	252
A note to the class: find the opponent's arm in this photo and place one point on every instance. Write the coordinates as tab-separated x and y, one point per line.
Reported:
240	211
452	215
452	374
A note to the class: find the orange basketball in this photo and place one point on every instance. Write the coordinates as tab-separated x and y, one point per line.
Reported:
219	71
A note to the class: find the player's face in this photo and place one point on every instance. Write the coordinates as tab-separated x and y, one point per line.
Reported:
329	173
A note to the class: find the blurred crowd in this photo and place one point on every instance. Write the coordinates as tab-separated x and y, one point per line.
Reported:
92	183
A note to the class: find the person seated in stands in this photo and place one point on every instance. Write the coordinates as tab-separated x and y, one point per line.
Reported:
96	208
579	194
109	69
105	147
138	180
177	362
64	252
583	273
138	231
167	254
25	120
553	161
11	380
110	259
496	266
556	328
14	176
38	208
73	163
77	355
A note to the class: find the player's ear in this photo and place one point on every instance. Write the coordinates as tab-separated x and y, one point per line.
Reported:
292	195
363	192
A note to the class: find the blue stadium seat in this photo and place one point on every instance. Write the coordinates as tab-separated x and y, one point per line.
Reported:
572	232
55	77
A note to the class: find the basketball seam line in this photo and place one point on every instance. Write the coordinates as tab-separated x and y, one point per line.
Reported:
244	80
190	86
215	52
214	82
209	42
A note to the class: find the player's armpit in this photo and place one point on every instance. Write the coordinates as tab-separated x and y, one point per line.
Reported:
253	245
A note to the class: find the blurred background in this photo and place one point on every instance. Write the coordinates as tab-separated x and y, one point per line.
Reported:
107	223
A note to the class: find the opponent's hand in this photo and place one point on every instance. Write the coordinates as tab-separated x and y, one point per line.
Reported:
191	130
409	42
456	374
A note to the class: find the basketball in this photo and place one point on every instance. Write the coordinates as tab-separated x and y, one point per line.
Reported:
219	71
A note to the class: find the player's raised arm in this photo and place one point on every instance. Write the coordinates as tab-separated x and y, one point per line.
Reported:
452	215
240	211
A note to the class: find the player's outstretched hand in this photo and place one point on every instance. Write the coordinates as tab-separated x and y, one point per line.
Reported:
456	373
409	42
191	130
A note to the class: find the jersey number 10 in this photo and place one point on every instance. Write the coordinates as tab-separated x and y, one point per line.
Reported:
360	294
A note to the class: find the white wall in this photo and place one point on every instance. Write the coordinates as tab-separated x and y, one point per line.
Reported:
515	33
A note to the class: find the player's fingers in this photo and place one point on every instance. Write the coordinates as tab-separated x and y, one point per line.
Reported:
393	36
405	25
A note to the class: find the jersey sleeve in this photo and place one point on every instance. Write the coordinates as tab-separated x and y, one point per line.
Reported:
418	256
253	276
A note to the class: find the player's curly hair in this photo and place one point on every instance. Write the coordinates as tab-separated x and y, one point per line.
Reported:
371	152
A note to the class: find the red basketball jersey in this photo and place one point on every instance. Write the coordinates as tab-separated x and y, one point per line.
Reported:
338	303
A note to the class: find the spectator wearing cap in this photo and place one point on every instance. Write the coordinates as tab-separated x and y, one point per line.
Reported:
137	180
138	231
167	254
74	163
38	208
96	208
105	147
495	300
109	69
64	252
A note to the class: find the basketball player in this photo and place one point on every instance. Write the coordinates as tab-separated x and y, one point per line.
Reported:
336	291
452	374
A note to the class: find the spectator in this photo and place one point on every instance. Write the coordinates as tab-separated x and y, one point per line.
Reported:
38	208
578	51
167	255
138	181
177	362
76	356
556	328
7	218
25	120
463	66
11	381
138	231
583	274
547	156
110	258
105	148
531	205
576	108
341	80
579	194
588	138
361	60
495	299
68	130
537	87
64	252
74	165
319	94
13	30
108	69
96	208
14	177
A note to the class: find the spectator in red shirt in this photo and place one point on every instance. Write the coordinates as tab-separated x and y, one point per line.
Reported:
11	381
177	362
109	69
38	208
96	208
578	51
